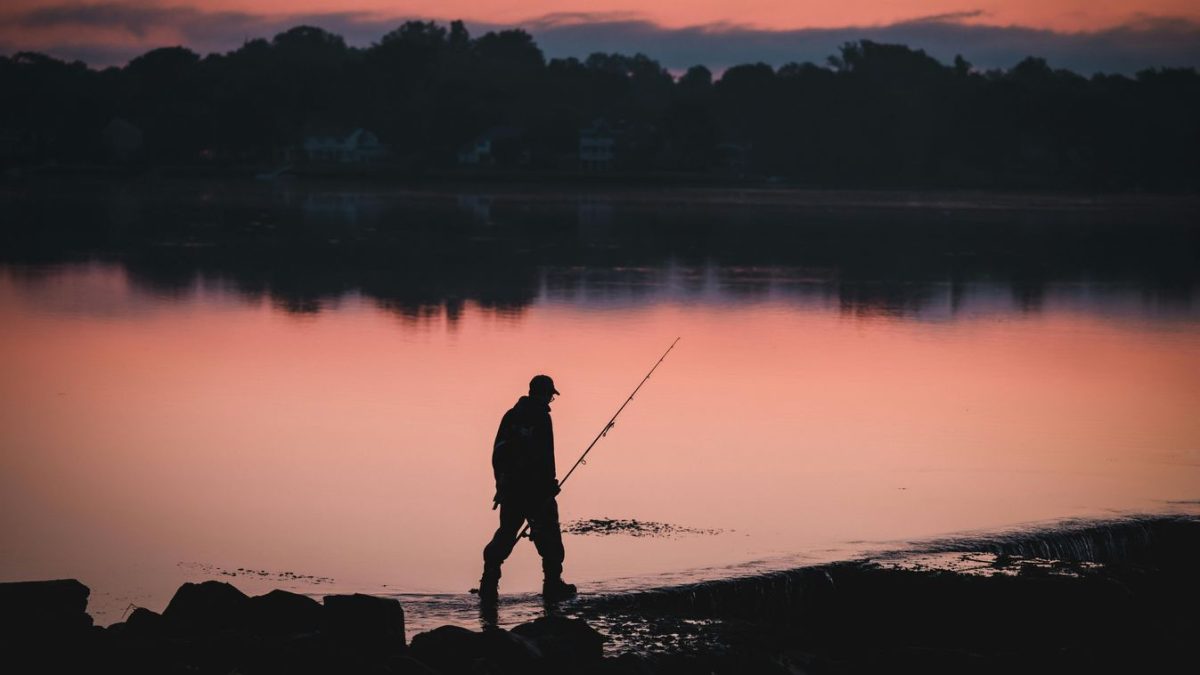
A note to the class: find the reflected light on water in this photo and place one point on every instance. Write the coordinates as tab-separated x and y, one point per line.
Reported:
143	435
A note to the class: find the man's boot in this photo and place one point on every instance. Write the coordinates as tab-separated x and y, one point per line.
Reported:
489	585
555	589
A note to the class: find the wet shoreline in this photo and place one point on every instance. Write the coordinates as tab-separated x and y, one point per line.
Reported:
1083	595
1071	553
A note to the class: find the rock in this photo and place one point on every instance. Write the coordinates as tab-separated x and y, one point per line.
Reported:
447	648
563	639
280	613
627	664
407	665
509	650
143	623
453	649
364	618
45	628
44	607
205	608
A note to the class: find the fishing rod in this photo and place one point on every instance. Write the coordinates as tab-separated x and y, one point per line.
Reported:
604	432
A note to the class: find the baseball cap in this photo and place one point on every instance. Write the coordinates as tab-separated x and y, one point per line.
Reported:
542	384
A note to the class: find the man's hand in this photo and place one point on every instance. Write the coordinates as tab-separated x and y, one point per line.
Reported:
501	490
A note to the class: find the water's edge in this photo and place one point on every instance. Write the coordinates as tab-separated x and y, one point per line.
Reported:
693	617
1110	596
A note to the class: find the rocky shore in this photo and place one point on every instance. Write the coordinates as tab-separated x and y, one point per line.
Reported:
1093	598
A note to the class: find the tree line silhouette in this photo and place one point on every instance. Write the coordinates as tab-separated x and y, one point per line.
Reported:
873	115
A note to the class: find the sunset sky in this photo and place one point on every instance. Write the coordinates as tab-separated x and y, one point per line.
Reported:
1081	34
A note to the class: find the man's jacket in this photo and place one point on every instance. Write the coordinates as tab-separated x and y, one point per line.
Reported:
523	454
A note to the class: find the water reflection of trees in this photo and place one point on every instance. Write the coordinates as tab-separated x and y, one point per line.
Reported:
425	254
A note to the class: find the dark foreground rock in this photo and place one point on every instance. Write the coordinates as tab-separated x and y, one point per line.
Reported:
280	613
452	649
39	607
563	639
1113	598
1116	597
143	624
46	622
364	618
205	608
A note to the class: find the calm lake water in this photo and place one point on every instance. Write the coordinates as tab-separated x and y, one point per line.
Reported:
185	397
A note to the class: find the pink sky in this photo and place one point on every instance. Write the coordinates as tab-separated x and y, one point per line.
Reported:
1062	15
771	14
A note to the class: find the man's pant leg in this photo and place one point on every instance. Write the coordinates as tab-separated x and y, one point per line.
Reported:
544	530
505	538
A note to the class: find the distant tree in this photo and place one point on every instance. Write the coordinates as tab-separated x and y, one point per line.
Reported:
509	70
309	41
159	66
875	114
1032	69
459	37
165	99
962	67
697	79
509	51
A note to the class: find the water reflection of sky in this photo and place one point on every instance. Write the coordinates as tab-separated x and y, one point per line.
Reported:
141	429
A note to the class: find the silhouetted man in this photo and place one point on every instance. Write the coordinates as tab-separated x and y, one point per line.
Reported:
523	462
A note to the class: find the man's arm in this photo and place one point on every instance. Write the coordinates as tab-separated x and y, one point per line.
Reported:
548	470
501	452
502	458
550	449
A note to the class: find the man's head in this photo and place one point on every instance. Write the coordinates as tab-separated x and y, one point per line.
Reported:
541	388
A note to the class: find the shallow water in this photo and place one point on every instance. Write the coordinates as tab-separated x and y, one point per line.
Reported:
159	426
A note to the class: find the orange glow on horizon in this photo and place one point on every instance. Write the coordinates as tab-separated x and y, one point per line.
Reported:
109	31
1061	15
149	29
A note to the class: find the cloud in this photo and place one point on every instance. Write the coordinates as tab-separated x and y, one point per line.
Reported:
113	32
948	17
1145	42
200	29
132	19
559	19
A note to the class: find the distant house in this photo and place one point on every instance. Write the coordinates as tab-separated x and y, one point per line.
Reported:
358	147
496	145
597	146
